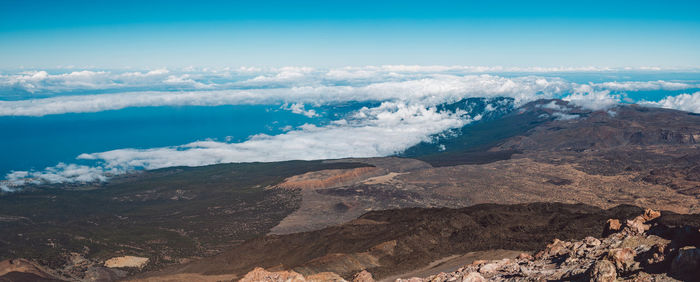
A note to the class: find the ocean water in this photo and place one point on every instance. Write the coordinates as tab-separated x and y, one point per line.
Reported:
33	143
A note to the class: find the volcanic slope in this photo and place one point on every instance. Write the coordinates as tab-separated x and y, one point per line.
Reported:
168	216
625	155
393	242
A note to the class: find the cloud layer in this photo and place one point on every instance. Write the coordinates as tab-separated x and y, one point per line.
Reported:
38	93
431	90
405	117
683	102
42	83
387	129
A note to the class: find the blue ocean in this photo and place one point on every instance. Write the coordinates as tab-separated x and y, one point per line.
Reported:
33	143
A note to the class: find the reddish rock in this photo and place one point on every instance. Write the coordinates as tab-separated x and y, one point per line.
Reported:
636	226
656	254
525	256
650	214
609	259
556	248
540	254
592	242
473	277
613	258
479	261
612	226
363	276
623	259
259	274
489	268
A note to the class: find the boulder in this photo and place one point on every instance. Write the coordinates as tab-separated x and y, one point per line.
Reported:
259	274
525	256
611	226
473	277
593	242
363	276
556	248
655	255
650	214
603	271
623	259
636	226
479	262
495	266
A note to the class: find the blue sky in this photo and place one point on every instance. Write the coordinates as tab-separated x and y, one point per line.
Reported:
150	34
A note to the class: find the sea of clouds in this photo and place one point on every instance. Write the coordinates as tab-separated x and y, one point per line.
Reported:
406	114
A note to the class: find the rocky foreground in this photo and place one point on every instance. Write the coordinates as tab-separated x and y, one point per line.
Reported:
633	250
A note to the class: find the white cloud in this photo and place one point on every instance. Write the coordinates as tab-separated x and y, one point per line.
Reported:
7	188
283	75
190	78
585	97
351	74
427	84
104	102
185	80
42	82
432	91
34	81
369	132
365	134
61	173
644	85
564	116
554	106
298	108
485	69
683	102
560	112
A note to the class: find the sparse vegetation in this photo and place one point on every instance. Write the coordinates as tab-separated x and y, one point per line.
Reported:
165	214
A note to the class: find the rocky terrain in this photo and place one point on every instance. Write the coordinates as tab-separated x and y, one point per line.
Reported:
636	250
390	244
647	247
186	220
